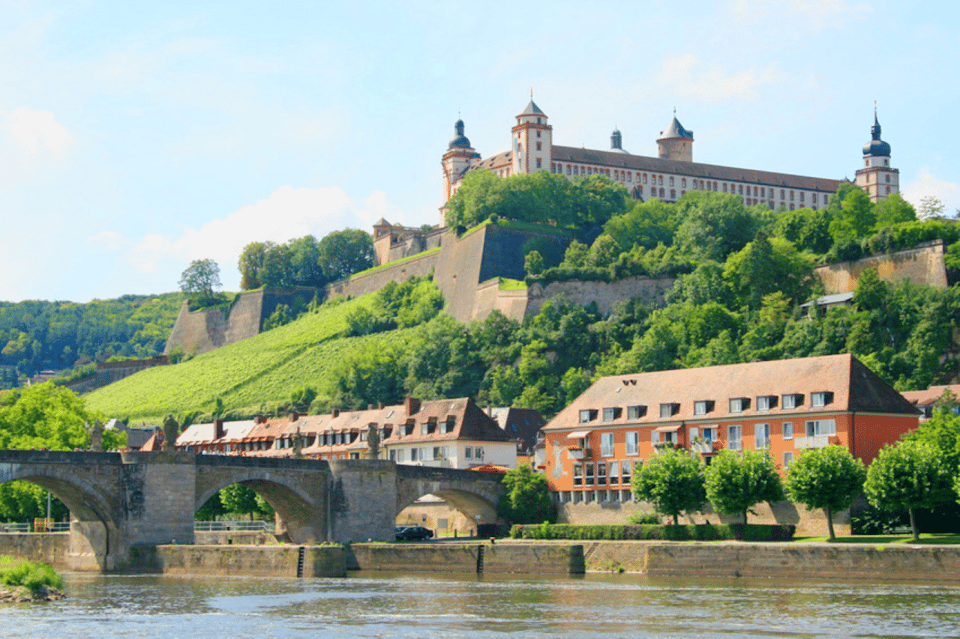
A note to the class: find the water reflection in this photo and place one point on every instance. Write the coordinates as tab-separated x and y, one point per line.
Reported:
394	605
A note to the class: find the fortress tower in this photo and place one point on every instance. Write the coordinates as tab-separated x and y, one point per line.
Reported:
675	143
876	177
532	140
458	158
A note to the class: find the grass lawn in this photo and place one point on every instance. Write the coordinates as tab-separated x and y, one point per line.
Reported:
925	539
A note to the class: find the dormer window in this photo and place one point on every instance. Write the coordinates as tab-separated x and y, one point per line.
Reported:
587	415
702	407
669	410
739	404
821	398
792	400
449	425
766	402
610	414
636	412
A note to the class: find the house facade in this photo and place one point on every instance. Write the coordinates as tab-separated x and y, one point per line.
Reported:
782	407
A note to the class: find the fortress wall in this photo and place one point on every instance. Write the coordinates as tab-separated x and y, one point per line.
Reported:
458	271
920	265
199	331
605	294
421	265
110	372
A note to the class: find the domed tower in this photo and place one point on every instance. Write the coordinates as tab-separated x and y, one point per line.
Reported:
876	177
676	142
458	158
531	141
616	141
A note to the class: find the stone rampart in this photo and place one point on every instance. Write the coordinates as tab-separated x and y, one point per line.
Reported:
922	264
110	372
604	294
420	265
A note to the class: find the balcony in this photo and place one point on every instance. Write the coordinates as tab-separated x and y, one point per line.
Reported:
812	441
704	448
580	453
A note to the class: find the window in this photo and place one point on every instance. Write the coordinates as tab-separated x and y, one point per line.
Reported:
539	161
636	412
669	410
393	455
568	169
588	468
578	474
788	430
601	473
610	414
439	452
626	468
468	452
587	415
761	436
449	424
615	472
709	434
413	454
818	427
478	452
766	402
821	399
606	444
734	435
702	407
633	439
739	404
792	400
787	459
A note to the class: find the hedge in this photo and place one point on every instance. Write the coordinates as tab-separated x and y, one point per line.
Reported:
700	532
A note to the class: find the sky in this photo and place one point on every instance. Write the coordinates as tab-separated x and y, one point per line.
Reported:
136	137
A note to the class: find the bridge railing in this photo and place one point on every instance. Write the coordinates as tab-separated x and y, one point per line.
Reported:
16	527
219	526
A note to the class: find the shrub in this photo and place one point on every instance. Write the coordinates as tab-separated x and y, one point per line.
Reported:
638	518
700	532
30	575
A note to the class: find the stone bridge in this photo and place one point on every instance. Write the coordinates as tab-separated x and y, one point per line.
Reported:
119	501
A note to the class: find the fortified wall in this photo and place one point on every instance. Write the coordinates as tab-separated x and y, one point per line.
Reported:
110	372
922	264
209	329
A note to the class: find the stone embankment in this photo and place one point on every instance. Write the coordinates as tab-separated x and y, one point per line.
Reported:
20	594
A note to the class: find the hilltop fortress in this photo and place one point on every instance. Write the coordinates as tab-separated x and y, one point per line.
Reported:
477	271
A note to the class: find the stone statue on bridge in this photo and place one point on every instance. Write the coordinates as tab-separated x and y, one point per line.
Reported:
298	444
96	436
373	441
171	428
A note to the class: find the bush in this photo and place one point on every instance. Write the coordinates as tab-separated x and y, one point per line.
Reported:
700	532
30	575
643	518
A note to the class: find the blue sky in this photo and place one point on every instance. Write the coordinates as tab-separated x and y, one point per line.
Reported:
136	137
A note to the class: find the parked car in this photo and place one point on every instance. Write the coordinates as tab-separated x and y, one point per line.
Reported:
406	533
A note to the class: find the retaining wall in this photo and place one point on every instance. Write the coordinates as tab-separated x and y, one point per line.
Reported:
501	558
604	294
237	537
922	264
254	561
50	548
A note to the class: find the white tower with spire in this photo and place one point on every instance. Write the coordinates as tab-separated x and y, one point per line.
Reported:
531	141
876	177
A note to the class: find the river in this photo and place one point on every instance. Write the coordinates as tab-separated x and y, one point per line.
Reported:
393	605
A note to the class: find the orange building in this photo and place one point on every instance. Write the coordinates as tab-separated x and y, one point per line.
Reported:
782	407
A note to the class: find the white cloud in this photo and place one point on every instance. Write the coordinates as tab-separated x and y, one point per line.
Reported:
286	214
928	184
32	131
688	76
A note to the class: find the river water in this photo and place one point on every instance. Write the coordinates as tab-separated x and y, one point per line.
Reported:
394	605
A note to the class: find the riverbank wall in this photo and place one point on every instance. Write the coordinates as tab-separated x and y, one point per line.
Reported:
50	548
499	558
252	561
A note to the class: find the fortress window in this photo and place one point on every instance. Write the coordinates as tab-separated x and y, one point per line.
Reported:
539	145
671	180
791	196
673	194
538	134
783	194
683	182
801	195
724	187
629	176
568	169
741	189
660	180
888	179
661	191
888	190
539	163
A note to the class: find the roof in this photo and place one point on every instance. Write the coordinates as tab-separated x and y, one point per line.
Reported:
207	433
382	222
854	388
522	424
675	130
827	300
691	169
532	109
930	395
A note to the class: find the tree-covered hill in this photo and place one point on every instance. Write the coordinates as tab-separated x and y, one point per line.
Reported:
36	335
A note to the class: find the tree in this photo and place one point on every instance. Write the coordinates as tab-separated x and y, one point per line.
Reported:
737	481
942	431
343	253
200	280
828	478
533	263
672	481
930	206
240	500
908	476
527	499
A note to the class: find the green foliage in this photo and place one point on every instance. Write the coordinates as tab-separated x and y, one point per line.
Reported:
30	575
527	499
942	432
343	253
48	416
240	500
200	281
828	478
737	481
908	476
672	481
409	303
701	532
638	518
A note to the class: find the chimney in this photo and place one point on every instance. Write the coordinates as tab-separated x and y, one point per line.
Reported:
411	405
218	430
294	416
335	413
369	406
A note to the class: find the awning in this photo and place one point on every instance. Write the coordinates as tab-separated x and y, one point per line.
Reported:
577	434
668	429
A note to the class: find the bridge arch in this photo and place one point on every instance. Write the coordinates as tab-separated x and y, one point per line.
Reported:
94	530
296	509
471	493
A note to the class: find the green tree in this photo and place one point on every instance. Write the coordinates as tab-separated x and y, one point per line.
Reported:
343	253
672	481
533	263
251	264
527	499
908	476
737	481
200	280
942	431
828	478
240	500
